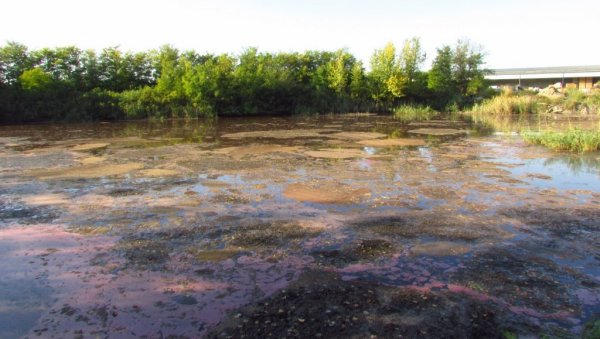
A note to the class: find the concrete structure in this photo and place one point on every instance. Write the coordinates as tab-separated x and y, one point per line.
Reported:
582	77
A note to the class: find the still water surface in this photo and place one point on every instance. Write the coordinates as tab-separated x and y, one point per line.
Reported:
230	227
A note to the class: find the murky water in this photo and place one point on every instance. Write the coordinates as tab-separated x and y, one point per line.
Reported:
328	226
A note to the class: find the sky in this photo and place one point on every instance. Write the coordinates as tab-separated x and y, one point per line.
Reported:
512	33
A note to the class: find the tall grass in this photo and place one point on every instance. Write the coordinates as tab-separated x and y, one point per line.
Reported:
407	113
574	140
508	104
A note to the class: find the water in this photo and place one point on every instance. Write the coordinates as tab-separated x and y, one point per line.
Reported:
112	224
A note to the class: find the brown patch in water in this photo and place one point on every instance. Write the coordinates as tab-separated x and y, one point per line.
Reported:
253	150
90	147
336	153
46	199
215	184
214	255
91	160
280	134
393	142
538	176
436	123
326	193
439	192
86	171
157	172
440	249
357	135
438	131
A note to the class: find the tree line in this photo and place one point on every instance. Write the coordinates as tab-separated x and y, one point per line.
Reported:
67	83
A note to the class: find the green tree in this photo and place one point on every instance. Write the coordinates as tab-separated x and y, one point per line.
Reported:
387	78
411	59
14	60
63	63
210	86
440	79
359	91
468	71
339	71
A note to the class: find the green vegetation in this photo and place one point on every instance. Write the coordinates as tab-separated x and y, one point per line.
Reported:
507	104
67	83
575	140
409	113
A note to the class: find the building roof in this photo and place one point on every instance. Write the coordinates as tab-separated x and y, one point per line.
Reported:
545	72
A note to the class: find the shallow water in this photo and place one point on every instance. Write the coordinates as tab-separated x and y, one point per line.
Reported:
251	226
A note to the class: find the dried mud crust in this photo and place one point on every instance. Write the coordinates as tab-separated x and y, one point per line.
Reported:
321	305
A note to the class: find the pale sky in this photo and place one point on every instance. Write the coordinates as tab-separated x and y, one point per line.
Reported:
513	33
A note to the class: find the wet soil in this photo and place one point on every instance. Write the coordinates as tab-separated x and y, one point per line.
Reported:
333	226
